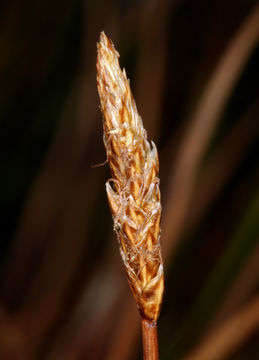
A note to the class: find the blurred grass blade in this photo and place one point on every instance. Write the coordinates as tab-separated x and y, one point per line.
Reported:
231	152
202	124
240	246
231	335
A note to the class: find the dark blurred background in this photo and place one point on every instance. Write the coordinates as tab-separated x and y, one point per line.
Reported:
193	67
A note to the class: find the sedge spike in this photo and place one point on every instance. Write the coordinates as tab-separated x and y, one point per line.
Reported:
133	191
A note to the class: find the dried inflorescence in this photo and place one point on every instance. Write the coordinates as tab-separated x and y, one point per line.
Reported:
133	192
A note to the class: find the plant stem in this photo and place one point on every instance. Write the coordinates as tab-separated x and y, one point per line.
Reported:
149	340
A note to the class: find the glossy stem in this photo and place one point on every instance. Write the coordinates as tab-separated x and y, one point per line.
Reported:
149	340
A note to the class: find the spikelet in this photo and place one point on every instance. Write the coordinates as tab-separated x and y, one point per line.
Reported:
133	192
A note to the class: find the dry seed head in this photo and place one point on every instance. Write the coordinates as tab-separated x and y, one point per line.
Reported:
133	192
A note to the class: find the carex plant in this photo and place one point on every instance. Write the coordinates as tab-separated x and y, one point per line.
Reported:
133	191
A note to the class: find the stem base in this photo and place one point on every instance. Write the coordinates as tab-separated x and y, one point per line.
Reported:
149	340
